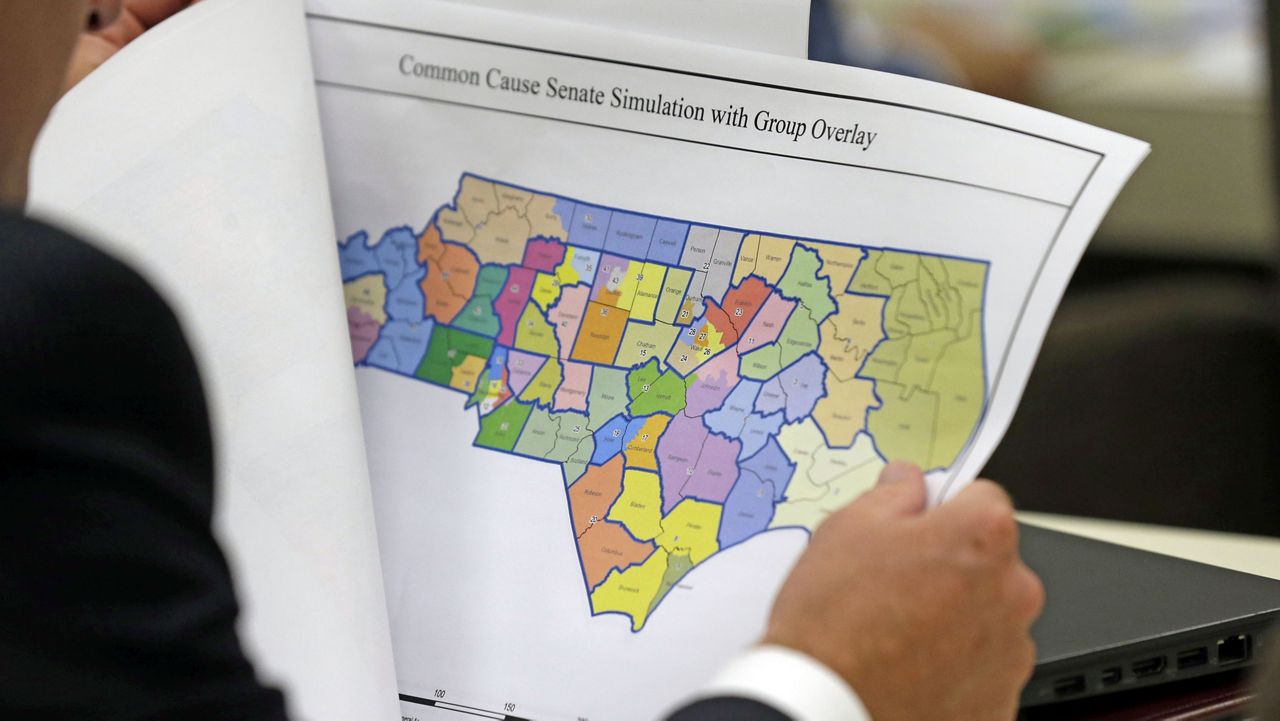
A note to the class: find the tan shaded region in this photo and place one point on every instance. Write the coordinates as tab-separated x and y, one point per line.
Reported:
607	546
851	334
369	294
839	263
543	220
450	279
746	258
477	200
509	197
773	257
842	413
501	239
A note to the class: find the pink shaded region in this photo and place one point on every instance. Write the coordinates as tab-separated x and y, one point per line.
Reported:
572	394
511	302
364	333
767	325
543	255
716	379
566	316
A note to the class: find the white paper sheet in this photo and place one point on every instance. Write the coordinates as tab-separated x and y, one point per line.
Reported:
508	592
770	26
196	155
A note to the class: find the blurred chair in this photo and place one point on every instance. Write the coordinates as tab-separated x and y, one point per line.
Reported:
1156	397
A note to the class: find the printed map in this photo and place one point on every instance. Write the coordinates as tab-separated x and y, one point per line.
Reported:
696	385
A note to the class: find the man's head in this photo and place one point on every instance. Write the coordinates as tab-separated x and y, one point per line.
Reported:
36	41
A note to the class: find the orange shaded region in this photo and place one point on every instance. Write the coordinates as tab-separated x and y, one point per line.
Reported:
608	546
600	334
591	496
451	275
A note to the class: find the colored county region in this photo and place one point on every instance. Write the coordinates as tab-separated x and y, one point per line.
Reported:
697	385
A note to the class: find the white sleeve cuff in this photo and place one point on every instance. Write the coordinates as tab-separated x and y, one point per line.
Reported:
791	682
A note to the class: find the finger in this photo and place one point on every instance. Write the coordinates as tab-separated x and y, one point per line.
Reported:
153	12
900	490
982	515
1028	594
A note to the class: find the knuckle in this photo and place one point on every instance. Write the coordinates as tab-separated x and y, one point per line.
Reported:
997	529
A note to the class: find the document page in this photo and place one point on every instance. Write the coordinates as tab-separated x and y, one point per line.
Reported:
195	155
631	316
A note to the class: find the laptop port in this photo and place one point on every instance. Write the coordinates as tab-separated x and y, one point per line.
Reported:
1233	650
1193	657
1148	667
1070	686
1112	676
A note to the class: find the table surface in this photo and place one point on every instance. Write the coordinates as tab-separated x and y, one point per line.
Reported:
1252	554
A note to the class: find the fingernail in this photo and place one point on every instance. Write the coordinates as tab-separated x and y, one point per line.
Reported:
897	472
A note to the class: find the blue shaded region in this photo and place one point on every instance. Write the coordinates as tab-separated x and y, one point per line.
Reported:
564	209
401	346
589	226
771	466
691	333
668	242
748	509
609	440
629	234
405	301
356	257
586	263
771	398
729	419
758	430
497	363
397	255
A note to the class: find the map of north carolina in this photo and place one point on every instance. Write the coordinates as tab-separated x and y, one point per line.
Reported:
697	385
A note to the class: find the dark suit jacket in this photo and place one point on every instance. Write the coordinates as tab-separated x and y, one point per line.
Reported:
115	600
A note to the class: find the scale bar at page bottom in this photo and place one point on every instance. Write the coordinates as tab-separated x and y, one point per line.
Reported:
459	708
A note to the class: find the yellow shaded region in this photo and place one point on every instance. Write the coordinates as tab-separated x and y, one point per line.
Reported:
566	274
542	389
640	449
839	263
747	254
621	290
639	508
648	292
632	591
831	479
691	529
467	373
673	288
546	291
773	257
368	294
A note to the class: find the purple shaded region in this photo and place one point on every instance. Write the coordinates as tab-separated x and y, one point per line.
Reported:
803	385
678	452
521	368
397	255
589	226
543	255
609	275
771	466
668	242
771	398
511	302
732	416
610	439
716	472
401	346
356	257
564	209
715	381
405	302
630	234
758	430
364	333
747	511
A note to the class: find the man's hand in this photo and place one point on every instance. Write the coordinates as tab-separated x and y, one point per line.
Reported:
133	19
925	613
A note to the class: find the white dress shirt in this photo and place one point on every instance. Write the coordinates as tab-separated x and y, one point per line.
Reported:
791	682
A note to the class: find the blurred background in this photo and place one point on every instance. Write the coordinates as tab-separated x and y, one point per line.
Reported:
1157	395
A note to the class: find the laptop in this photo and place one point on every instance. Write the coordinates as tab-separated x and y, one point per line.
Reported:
1118	619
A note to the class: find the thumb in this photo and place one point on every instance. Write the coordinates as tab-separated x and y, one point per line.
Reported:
900	491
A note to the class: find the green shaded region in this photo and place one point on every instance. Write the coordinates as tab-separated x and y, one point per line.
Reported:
576	464
801	282
539	435
501	429
448	349
608	395
652	392
571	434
542	389
678	566
929	372
535	334
761	365
478	316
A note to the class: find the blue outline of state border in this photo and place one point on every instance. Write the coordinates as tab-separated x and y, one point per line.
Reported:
364	237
